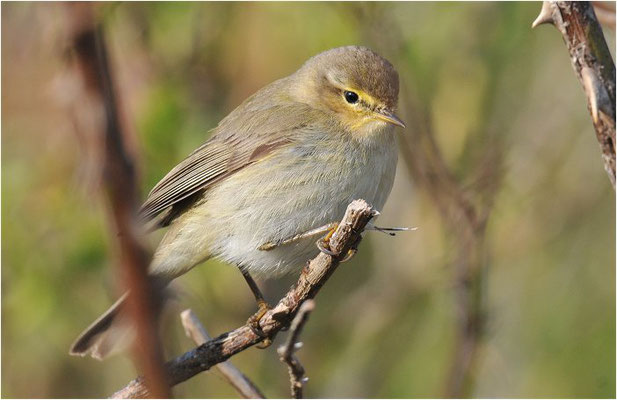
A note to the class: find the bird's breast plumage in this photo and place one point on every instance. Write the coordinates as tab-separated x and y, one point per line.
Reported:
299	187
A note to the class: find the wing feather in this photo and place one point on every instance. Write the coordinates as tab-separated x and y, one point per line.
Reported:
248	134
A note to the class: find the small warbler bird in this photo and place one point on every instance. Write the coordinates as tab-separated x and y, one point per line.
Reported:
273	177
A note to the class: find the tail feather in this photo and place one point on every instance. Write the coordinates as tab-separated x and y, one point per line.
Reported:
113	331
108	334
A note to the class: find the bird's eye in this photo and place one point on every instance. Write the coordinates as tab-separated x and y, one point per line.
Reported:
351	97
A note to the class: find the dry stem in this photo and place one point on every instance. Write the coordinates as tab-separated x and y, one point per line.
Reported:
196	331
312	278
287	350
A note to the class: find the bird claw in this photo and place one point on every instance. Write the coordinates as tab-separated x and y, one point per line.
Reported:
253	323
323	245
265	344
350	253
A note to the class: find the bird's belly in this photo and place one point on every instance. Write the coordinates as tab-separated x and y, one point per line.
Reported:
282	196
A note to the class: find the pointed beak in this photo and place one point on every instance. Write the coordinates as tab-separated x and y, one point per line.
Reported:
389	117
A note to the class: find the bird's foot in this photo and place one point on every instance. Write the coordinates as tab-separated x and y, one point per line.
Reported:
323	245
253	322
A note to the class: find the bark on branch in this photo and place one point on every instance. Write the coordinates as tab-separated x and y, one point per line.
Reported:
196	331
593	65
287	350
312	278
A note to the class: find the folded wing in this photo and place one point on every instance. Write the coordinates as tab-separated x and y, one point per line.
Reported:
240	140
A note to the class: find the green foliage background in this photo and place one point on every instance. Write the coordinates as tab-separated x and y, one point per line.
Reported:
383	324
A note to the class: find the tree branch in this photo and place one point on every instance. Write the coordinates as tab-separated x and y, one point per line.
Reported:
196	331
593	65
312	278
286	351
120	183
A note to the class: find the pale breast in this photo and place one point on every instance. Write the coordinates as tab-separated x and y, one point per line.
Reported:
299	188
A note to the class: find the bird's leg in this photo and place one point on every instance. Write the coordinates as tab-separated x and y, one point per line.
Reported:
323	244
262	309
313	232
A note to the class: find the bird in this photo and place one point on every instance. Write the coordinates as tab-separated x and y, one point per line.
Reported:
274	175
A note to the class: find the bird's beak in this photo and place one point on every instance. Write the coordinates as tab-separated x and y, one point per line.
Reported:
389	117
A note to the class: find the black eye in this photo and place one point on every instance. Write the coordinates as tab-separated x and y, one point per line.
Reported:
351	97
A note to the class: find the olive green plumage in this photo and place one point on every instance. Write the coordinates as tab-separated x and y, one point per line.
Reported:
289	159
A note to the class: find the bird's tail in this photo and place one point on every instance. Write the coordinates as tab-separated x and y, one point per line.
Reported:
110	333
114	330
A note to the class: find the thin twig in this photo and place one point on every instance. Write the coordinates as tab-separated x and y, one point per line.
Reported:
120	182
312	278
287	350
196	331
593	65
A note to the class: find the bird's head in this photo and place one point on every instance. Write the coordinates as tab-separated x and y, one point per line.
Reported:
355	84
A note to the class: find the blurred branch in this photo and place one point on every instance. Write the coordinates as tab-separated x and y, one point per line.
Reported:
312	278
593	65
120	183
464	210
465	213
605	11
196	331
287	350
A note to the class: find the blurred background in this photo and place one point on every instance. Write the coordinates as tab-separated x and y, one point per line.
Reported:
507	288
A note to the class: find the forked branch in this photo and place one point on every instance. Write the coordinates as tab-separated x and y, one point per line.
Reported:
196	331
287	350
312	278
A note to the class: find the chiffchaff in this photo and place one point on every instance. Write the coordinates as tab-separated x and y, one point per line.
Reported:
288	160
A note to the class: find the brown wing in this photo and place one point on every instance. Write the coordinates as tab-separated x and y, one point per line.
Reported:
202	167
248	134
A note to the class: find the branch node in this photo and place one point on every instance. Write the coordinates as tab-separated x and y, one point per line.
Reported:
596	93
313	277
546	15
593	64
590	83
194	329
